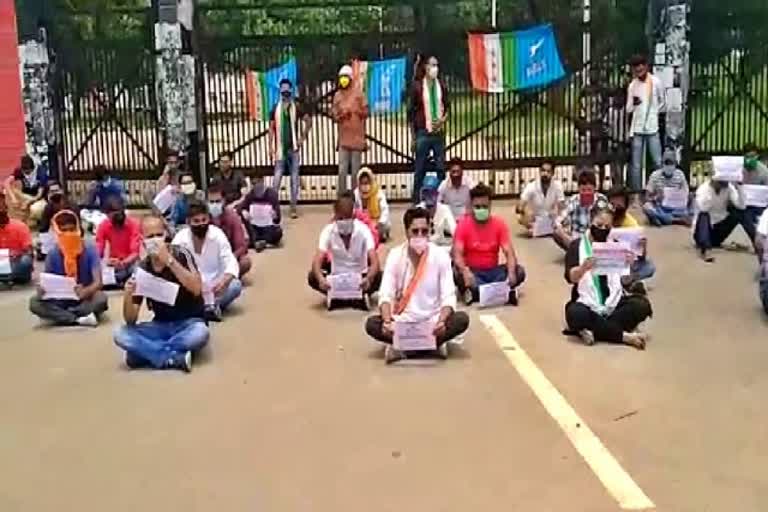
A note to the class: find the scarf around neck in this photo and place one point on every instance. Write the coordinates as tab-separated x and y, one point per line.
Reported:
432	100
370	200
70	243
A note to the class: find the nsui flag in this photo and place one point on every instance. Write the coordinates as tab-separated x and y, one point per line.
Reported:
383	82
514	60
262	89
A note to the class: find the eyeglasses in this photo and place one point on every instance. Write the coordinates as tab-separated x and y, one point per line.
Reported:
419	231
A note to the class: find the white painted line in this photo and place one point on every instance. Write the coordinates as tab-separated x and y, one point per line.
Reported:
616	481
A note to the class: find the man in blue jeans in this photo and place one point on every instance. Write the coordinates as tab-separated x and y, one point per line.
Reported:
645	101
177	330
288	129
429	107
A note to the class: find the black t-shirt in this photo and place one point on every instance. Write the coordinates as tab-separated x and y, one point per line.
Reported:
571	261
232	186
187	305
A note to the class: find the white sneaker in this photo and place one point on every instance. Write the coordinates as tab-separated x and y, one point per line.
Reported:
186	363
442	351
88	321
391	354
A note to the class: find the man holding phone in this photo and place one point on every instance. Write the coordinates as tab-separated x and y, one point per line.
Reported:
645	101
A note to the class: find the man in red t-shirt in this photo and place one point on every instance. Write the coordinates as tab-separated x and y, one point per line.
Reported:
479	238
122	234
15	238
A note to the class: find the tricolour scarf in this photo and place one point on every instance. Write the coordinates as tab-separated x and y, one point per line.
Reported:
590	293
432	100
279	128
405	293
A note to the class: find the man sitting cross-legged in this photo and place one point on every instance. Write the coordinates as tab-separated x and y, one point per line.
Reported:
118	239
227	219
417	287
177	330
346	247
479	237
261	209
16	239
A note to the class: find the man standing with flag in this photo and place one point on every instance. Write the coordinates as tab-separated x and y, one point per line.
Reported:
350	110
427	114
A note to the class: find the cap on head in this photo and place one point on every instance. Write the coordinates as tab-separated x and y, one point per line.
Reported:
346	70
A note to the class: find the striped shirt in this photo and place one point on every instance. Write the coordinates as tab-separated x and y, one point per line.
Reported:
575	218
657	182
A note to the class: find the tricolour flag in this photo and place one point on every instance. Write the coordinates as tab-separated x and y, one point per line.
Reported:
514	60
262	89
383	82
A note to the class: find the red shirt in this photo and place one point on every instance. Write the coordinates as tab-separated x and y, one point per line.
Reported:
124	243
482	241
232	226
15	237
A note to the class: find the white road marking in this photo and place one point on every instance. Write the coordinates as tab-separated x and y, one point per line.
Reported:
617	482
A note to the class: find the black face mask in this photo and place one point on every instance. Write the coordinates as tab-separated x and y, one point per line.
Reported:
545	180
599	234
286	95
118	219
200	230
57	198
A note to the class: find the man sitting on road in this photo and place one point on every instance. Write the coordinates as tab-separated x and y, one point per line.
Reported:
213	257
75	258
188	193
479	237
226	219
454	190
720	208
371	199
574	220
346	247
102	188
754	173
642	268
119	240
261	210
417	286
541	199
234	184
33	185
443	222
57	201
668	179
177	330
15	248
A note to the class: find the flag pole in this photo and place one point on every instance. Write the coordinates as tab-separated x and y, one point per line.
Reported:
493	13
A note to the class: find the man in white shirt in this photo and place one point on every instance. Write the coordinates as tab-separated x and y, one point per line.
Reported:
454	191
346	246
417	287
443	221
213	255
541	198
760	240
645	101
720	208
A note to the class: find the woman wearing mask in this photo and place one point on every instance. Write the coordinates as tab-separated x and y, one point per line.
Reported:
599	309
350	110
187	193
371	199
417	286
669	180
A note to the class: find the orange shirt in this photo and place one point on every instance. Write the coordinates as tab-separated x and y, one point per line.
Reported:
15	237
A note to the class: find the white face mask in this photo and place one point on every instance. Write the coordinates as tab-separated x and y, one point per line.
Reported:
153	244
188	188
216	209
345	226
432	71
419	244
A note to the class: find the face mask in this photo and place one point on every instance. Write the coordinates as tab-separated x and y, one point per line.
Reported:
344	82
668	170
345	226
152	245
432	72
286	95
750	163
216	209
56	198
199	230
546	180
4	219
259	189
188	188
587	199
419	244
599	234
481	214
118	219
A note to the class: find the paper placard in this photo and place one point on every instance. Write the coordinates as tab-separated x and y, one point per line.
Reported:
494	294
165	199
675	198
632	238
756	195
108	277
261	215
155	288
47	242
345	286
728	168
610	258
58	287
414	336
5	262
542	226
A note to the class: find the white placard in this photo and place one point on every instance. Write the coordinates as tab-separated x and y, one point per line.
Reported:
675	198
632	238
494	294
610	258
155	288
667	76
58	287
261	215
47	242
165	199
5	262
756	195
345	286
542	226
413	336
674	99
728	168
108	277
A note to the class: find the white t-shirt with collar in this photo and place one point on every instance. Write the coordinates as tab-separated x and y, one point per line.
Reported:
215	259
540	204
347	261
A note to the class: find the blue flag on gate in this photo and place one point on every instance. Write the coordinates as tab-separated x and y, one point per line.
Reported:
538	61
383	82
262	88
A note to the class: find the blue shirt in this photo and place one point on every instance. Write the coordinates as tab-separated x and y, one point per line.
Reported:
103	190
87	262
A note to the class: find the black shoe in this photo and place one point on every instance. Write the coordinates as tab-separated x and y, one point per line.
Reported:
260	245
513	299
134	362
637	288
